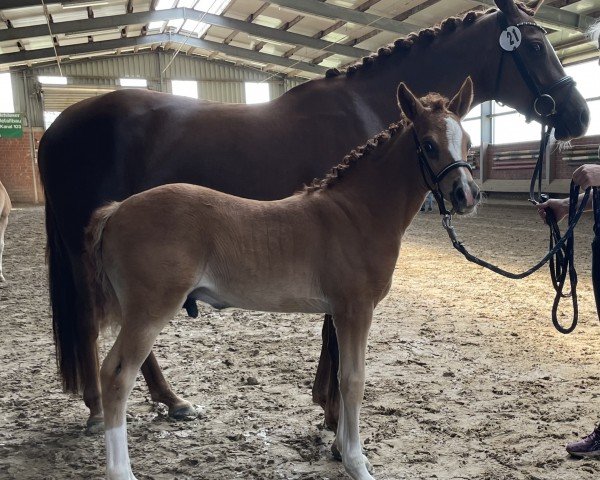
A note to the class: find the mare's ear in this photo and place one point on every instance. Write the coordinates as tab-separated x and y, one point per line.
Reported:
508	7
408	103
535	5
461	103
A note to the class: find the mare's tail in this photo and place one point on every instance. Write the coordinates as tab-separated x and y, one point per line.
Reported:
70	338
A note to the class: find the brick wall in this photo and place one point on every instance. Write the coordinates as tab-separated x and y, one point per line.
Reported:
16	171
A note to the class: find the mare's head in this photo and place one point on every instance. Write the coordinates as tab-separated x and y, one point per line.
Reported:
444	143
567	110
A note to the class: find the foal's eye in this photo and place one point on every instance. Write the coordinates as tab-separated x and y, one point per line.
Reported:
429	148
469	146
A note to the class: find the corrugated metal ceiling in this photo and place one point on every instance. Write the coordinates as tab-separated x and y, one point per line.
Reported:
420	13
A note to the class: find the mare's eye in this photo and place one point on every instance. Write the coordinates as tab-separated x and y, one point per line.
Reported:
537	47
429	148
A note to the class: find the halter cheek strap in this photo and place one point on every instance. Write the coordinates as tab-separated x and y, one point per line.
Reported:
544	104
432	179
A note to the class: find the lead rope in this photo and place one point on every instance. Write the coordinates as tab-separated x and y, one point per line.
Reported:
560	254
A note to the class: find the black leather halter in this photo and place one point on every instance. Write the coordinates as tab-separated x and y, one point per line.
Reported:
432	179
544	104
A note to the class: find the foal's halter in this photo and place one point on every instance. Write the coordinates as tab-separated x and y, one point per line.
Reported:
544	104
432	179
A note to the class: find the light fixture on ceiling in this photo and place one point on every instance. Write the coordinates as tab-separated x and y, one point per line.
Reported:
83	3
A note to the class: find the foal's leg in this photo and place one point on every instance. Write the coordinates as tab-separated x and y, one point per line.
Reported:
326	392
119	369
352	331
3	224
160	390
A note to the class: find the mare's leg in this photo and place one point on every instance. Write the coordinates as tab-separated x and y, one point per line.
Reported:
352	331
325	390
119	369
160	390
87	336
3	224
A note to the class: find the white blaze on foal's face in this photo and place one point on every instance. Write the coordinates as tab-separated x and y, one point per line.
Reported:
456	138
454	135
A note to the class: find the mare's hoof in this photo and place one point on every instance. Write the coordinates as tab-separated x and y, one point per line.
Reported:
184	412
335	452
95	425
2	279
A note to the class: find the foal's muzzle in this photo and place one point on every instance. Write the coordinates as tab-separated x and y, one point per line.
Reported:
465	196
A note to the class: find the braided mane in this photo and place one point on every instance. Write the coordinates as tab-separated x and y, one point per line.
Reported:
433	102
423	37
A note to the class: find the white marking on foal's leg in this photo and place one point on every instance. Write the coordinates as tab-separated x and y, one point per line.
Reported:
118	466
1	252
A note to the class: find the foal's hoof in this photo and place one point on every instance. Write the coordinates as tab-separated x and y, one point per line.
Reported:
183	412
338	456
2	279
368	465
95	425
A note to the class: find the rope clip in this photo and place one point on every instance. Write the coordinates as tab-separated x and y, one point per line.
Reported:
447	224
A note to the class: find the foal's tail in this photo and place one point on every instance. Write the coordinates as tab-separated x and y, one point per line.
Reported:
102	292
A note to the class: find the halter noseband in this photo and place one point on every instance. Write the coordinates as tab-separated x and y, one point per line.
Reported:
544	104
433	180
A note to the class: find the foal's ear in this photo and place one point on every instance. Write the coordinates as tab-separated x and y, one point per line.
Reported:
535	6
461	103
508	8
408	103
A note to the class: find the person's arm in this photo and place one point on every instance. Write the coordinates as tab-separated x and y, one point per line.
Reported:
585	176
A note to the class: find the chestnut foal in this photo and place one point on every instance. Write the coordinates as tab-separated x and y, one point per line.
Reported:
330	248
5	207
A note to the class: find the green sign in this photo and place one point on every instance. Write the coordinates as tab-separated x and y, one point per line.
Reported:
11	125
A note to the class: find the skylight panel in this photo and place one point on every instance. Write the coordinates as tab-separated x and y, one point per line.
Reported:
156	25
164	4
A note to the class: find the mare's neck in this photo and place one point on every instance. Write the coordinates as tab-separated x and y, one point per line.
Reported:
440	66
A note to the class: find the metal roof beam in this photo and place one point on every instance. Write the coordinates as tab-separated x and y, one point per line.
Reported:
83	48
119	21
327	10
7	4
556	16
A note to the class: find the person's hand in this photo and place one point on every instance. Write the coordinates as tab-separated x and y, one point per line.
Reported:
560	208
587	176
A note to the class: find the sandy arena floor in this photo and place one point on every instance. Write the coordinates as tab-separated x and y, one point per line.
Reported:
467	378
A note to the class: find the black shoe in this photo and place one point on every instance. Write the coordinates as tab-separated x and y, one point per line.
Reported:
586	447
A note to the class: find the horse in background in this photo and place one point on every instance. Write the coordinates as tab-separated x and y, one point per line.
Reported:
5	207
330	248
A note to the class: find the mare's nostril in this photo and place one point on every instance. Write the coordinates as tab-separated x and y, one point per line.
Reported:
460	194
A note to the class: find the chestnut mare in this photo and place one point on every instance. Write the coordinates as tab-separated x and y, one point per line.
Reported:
5	207
331	248
113	146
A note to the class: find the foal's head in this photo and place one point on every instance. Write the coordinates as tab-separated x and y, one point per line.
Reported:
444	143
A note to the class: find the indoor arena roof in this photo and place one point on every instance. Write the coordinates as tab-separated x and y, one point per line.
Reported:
292	37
